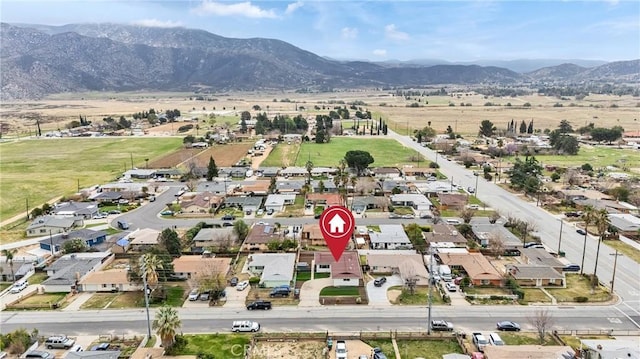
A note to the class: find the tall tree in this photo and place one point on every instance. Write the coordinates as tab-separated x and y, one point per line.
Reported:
241	229
487	129
149	264
9	254
530	128
542	321
359	160
166	325
602	223
565	127
171	242
309	167
212	169
523	127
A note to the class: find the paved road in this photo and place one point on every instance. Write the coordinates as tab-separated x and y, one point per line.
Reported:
333	318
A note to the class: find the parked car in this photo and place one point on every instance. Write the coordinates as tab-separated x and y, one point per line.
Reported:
380	281
283	291
441	325
242	285
376	353
394	216
205	296
471	190
408	216
59	342
101	346
260	212
270	211
100	215
227	224
39	354
245	326
19	287
581	231
194	294
451	287
166	213
114	211
495	339
228	217
248	212
233	281
508	325
571	268
259	304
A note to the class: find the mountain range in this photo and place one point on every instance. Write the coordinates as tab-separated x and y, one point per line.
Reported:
37	60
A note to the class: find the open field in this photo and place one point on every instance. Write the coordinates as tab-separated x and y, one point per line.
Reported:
39	170
224	155
597	157
58	110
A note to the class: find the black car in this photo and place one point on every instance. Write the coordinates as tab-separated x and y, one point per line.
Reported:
259	304
378	354
228	217
380	281
507	325
582	231
101	346
571	268
227	224
233	281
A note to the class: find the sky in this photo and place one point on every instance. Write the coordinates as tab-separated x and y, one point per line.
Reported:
379	30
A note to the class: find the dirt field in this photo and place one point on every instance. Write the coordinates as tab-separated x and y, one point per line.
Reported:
603	110
224	155
175	158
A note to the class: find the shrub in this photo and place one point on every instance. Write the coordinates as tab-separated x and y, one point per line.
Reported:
254	280
581	299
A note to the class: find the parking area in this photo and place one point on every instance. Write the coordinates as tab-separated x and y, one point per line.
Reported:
236	298
378	295
84	341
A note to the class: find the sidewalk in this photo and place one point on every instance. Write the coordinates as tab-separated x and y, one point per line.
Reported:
79	300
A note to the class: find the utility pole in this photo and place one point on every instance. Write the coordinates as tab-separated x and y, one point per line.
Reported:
560	238
477	176
429	292
78	185
146	302
27	201
584	250
595	268
51	244
615	264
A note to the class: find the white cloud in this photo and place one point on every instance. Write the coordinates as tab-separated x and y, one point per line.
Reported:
349	33
293	7
392	33
156	23
380	52
238	9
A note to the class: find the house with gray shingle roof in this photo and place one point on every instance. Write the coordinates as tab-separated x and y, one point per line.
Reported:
65	273
274	269
531	275
76	209
89	236
391	236
46	225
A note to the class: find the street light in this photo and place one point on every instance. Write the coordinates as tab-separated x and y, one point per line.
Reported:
584	250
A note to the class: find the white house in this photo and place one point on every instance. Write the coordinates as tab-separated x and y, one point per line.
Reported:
112	280
276	202
345	273
391	236
416	201
274	269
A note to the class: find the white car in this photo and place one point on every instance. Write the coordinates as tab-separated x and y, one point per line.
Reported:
194	294
19	287
242	285
451	287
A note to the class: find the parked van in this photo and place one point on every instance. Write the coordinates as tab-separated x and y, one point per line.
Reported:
445	273
453	221
245	326
495	339
123	225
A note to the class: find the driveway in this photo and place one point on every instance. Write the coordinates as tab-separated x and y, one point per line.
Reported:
457	298
310	291
378	295
236	298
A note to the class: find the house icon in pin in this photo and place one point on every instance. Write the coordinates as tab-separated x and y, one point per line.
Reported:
336	224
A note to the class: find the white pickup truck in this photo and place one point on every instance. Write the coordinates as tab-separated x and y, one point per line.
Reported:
480	341
341	349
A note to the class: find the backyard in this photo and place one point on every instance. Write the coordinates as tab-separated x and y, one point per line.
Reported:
409	349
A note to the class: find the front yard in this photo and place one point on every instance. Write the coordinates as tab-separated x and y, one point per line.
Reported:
534	295
520	338
427	349
123	300
419	297
579	286
214	345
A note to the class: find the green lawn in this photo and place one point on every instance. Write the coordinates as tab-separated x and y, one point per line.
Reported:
597	157
99	301
38	278
56	171
385	152
520	338
305	276
578	286
427	349
534	295
216	345
340	291
5	285
625	249
282	155
419	297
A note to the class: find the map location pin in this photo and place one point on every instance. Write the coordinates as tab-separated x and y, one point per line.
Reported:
337	224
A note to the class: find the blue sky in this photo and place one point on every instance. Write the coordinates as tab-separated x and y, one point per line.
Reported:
381	30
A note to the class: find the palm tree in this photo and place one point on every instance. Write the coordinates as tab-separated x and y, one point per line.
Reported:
149	266
166	324
353	181
602	222
588	217
309	167
8	253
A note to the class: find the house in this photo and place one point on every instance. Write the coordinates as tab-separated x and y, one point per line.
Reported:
259	236
134	187
216	188
213	237
455	201
140	173
391	236
256	188
112	280
478	268
531	275
292	137
362	203
276	202
22	265
387	172
610	348
244	203
528	352
311	235
324	199
85	210
106	197
323	171
410	171
274	269
89	236
290	186
407	265
610	206
143	238
168	173
443	233
202	202
324	186
48	225
345	273
433	188
67	272
268	171
416	201
571	195
397	186
627	225
539	256
482	227
195	266
294	172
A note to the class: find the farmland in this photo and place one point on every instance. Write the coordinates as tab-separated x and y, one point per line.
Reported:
224	155
39	170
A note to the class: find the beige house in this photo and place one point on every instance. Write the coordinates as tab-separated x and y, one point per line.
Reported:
112	280
407	265
535	275
200	202
345	273
312	236
477	267
188	267
259	236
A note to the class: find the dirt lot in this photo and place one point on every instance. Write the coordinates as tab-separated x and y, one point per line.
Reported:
305	350
175	158
224	155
